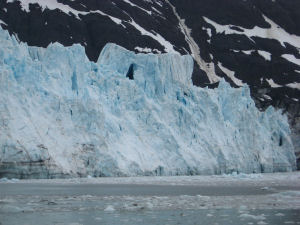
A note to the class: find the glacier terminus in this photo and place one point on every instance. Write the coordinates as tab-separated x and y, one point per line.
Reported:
128	114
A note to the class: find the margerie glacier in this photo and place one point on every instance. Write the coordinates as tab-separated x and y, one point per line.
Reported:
126	115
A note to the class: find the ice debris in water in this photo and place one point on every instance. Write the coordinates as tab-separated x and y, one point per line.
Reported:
109	208
128	114
5	180
243	175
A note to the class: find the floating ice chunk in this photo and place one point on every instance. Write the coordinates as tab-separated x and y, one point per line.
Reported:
254	217
109	208
4	179
261	223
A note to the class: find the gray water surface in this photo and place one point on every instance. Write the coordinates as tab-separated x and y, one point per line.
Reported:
26	203
129	189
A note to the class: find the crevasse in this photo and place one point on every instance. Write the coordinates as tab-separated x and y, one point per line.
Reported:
126	115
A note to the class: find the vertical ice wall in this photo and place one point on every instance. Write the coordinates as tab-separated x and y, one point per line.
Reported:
128	114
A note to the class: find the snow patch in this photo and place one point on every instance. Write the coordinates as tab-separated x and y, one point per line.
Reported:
168	46
274	32
266	55
294	85
2	22
273	84
291	58
53	4
134	5
144	50
156	10
247	52
46	4
114	19
267	97
230	74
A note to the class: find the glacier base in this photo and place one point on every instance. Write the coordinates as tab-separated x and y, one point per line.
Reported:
127	115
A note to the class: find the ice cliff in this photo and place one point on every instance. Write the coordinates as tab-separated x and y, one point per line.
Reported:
128	114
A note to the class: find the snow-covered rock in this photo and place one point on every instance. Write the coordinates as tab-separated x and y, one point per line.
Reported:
128	114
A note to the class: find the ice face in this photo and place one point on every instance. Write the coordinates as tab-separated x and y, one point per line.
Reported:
128	114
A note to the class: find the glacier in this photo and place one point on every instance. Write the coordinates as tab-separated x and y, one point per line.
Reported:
127	114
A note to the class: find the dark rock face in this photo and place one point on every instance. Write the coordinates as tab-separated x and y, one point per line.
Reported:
158	26
93	30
